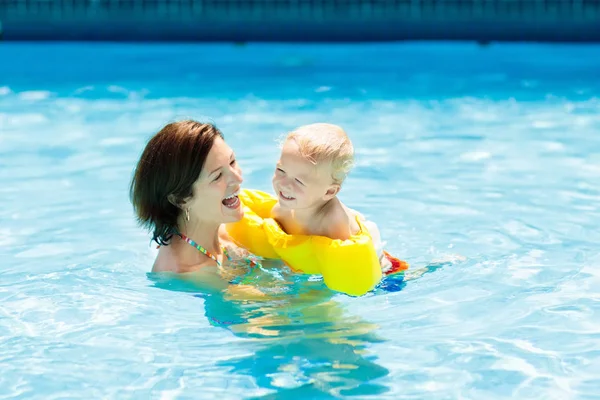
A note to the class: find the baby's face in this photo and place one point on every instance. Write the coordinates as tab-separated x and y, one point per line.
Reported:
298	182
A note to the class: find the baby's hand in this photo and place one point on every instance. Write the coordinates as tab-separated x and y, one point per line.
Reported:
386	264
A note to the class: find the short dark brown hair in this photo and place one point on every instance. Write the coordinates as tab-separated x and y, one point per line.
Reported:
170	164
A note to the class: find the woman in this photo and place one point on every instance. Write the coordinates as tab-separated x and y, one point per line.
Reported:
184	189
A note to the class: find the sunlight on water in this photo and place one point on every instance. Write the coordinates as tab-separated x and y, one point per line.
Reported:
480	165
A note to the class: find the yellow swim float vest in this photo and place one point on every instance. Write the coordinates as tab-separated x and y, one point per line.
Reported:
348	266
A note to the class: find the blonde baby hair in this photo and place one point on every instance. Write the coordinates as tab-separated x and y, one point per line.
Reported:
325	143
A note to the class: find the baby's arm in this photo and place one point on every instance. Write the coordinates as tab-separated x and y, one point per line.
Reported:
344	227
376	237
372	228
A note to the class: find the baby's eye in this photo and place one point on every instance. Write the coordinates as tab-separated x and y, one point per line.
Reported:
232	163
280	170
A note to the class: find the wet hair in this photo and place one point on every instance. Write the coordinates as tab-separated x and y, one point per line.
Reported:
168	167
325	143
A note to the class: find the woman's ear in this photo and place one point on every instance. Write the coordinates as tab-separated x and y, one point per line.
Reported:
173	200
182	204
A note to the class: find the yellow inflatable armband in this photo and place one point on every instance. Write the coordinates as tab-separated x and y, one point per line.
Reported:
348	266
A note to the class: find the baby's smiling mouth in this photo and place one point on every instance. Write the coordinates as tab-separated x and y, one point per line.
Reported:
285	197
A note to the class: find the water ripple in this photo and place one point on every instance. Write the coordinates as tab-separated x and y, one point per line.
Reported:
481	169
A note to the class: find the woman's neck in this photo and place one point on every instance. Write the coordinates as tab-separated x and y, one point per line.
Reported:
204	233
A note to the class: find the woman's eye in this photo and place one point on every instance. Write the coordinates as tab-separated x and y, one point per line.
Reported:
299	182
218	177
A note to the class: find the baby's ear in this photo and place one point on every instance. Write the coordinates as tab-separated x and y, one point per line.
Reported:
331	192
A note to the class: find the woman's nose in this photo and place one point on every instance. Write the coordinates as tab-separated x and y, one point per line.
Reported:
236	175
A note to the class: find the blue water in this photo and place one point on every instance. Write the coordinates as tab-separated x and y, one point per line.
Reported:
481	166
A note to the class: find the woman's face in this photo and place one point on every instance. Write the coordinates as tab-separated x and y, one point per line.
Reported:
215	192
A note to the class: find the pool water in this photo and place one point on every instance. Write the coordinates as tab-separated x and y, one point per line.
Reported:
481	165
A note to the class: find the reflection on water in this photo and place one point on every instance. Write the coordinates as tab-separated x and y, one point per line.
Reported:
310	346
490	153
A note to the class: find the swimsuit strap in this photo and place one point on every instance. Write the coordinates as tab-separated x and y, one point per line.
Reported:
252	261
202	249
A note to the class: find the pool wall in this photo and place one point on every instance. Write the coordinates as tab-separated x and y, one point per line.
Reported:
301	20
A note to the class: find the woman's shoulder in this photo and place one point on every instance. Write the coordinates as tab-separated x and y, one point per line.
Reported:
167	261
164	261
